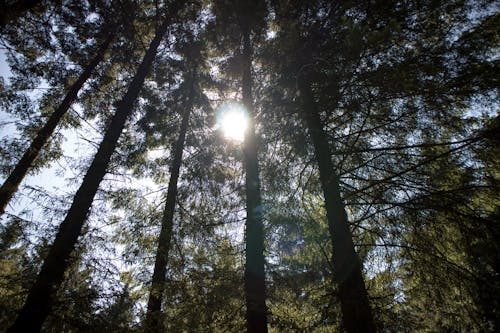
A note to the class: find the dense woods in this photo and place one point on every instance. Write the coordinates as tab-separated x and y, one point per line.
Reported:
360	192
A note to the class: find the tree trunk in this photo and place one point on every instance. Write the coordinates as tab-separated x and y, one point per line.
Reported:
15	178
356	312
255	284
40	298
154	318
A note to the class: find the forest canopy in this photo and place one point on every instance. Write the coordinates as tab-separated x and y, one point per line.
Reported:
249	166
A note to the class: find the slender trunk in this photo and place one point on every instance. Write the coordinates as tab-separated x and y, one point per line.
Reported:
154	318
15	178
40	298
15	10
356	312
255	284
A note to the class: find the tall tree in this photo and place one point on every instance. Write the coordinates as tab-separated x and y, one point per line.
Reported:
39	301
241	23
11	184
356	312
154	318
255	282
254	278
304	30
356	105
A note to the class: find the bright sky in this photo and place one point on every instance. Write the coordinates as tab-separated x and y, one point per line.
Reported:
4	69
232	121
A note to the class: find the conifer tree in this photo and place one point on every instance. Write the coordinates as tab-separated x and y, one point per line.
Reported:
39	301
154	319
356	312
11	184
247	18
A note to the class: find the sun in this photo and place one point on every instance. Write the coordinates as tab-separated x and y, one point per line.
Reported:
233	122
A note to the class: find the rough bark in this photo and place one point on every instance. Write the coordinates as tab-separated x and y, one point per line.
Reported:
355	307
255	288
40	298
11	184
154	318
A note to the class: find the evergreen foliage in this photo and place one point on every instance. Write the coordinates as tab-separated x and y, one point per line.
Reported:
364	196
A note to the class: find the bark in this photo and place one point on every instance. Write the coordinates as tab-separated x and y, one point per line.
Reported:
255	287
15	10
154	318
11	184
40	298
355	307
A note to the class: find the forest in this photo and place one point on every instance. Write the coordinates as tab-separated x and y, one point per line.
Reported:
249	166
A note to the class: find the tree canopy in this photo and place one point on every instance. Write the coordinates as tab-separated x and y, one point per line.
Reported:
361	196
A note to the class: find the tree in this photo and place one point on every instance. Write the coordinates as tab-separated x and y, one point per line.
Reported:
357	106
11	184
255	287
38	302
248	18
455	192
154	320
356	312
369	176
